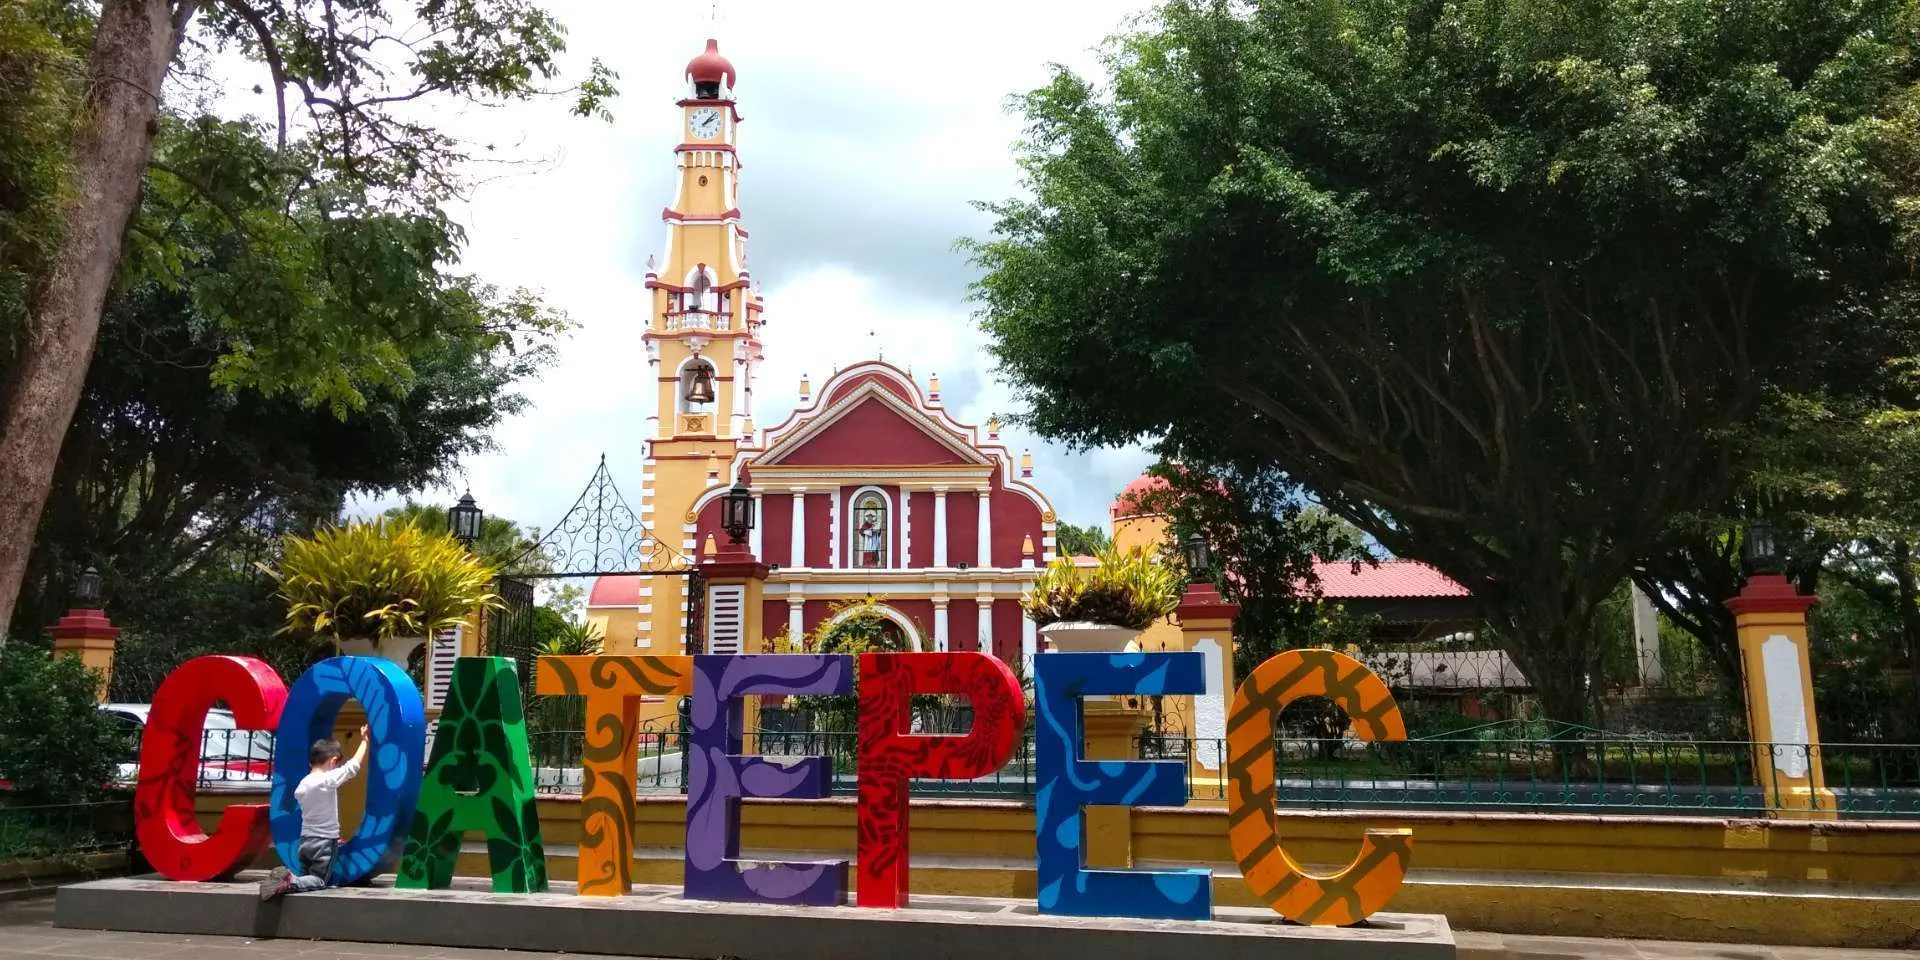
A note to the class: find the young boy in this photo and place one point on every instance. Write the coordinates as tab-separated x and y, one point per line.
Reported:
319	797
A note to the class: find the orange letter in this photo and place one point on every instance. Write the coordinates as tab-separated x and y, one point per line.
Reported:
613	687
1364	887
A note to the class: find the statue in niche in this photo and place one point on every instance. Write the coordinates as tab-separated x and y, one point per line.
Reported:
870	531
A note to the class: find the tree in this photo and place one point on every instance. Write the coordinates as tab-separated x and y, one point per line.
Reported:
502	543
56	745
1073	541
1493	281
347	87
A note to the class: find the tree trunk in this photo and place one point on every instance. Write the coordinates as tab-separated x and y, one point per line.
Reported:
112	142
1909	615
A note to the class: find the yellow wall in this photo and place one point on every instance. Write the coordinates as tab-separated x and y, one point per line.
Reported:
1680	878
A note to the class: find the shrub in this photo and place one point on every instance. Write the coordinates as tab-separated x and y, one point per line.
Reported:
56	745
378	581
1124	589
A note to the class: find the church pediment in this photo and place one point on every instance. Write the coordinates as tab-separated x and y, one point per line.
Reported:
872	426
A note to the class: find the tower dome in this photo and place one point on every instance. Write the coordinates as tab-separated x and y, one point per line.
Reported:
710	72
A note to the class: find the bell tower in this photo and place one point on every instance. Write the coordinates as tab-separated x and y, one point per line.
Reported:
703	331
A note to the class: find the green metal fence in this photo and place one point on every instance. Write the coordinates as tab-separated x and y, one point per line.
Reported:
1573	770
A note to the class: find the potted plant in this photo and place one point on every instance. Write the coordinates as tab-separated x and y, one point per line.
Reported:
1101	608
380	588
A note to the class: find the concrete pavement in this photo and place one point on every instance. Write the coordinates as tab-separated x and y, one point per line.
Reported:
27	933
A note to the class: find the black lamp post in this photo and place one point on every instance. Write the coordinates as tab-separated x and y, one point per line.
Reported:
736	513
1199	555
86	590
464	519
1759	549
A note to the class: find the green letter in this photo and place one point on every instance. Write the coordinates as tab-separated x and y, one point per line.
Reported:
478	780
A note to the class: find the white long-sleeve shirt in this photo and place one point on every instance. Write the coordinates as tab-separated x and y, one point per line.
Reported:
319	797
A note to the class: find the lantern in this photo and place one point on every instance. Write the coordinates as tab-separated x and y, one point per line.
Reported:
1199	556
463	519
736	513
1758	549
86	590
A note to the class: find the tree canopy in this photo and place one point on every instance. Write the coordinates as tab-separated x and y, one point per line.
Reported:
1497	281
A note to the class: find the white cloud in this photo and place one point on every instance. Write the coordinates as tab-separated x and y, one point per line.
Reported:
866	133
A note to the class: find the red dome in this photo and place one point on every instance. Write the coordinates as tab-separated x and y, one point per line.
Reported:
711	67
1125	504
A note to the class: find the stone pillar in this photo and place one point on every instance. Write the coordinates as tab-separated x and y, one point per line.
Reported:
940	630
799	558
939	528
1771	617
1206	627
89	635
985	498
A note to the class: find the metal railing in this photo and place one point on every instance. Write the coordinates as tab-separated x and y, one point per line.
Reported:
1514	766
1581	772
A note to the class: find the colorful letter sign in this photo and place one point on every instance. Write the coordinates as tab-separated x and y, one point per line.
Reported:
397	721
717	777
890	755
1066	784
1365	886
613	687
478	781
164	821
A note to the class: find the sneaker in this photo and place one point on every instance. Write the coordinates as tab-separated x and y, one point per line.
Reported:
276	883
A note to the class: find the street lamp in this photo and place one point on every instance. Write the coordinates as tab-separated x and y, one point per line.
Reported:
736	513
1758	548
463	519
1199	555
86	590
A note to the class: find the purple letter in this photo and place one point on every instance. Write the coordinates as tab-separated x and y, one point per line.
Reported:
717	777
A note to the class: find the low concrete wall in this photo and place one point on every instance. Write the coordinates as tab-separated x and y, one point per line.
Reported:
1833	884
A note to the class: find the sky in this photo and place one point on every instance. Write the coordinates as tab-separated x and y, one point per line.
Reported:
866	135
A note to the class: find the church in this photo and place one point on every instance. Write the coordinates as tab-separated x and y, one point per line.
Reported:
869	488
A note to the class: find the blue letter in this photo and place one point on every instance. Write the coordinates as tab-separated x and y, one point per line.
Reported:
397	725
1068	783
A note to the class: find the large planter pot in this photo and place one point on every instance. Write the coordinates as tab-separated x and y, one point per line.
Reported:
396	649
1073	637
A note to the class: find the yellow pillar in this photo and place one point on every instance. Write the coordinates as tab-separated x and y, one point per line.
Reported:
1206	626
1111	728
1771	617
89	635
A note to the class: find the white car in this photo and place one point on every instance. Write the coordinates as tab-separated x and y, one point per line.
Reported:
230	758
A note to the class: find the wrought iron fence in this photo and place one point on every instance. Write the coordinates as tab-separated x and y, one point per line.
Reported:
1492	770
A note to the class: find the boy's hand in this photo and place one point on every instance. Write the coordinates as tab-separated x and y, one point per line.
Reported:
363	731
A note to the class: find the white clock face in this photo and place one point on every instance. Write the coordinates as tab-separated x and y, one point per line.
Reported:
705	123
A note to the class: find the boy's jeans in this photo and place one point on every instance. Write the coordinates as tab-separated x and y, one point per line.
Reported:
316	864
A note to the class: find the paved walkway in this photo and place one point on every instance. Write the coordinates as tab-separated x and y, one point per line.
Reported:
27	933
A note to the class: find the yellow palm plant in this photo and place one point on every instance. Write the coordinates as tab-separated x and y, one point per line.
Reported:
380	580
1124	588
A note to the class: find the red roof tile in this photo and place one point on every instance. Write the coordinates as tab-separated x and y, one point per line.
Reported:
1390	579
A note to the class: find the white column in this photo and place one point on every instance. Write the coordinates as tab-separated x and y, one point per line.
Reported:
833	528
986	618
986	529
903	556
755	541
1646	635
796	622
799	559
1029	645
939	528
940	626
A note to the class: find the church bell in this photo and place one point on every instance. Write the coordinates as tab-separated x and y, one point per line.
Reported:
700	388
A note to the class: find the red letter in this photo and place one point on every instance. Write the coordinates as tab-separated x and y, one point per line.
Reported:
164	821
890	755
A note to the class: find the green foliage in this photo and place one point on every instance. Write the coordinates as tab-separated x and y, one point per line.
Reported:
56	746
1496	282
1071	541
501	542
380	580
1125	588
852	628
40	76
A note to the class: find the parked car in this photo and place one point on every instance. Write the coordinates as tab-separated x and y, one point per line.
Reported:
230	758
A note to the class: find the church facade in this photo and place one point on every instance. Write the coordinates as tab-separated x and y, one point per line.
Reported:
870	488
